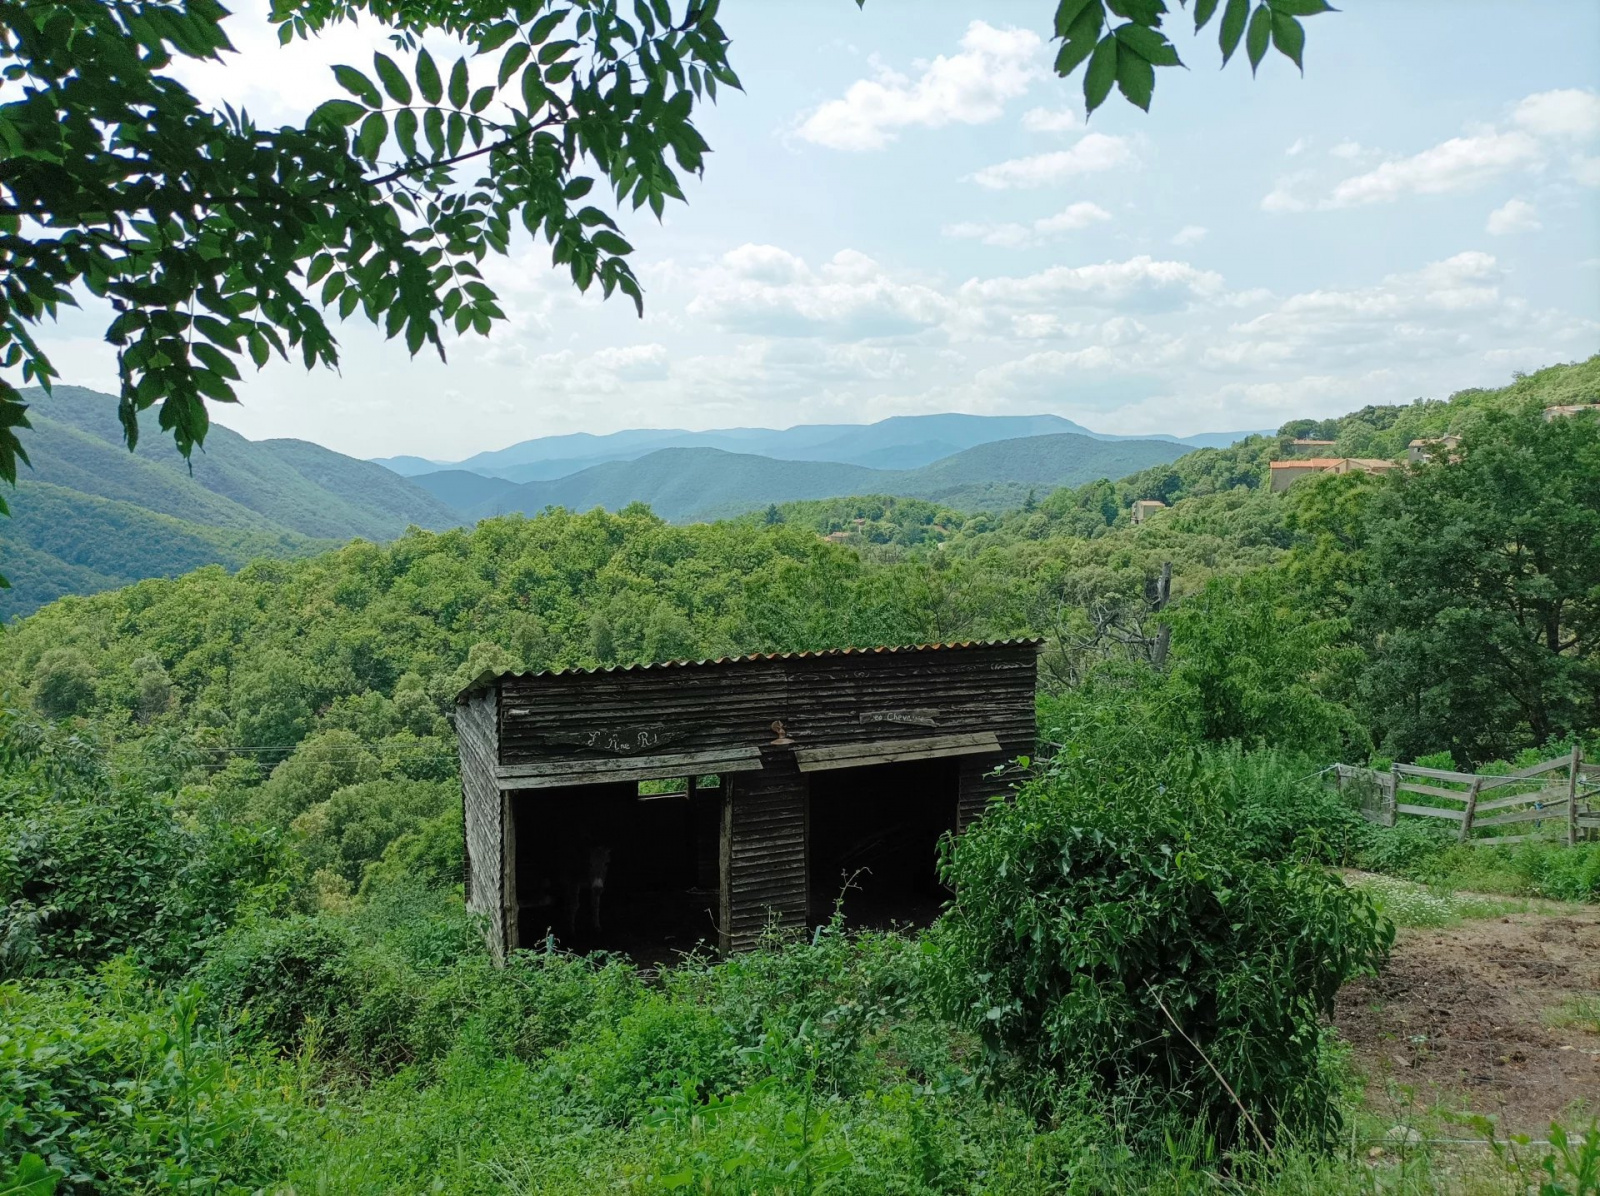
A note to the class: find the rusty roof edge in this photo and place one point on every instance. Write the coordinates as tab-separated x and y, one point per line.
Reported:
490	676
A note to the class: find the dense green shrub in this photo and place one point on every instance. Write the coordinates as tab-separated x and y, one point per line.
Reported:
90	869
120	1088
280	977
1091	937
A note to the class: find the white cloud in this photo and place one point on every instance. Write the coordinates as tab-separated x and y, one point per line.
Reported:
1138	284
1568	113
1452	165
1513	216
1094	153
767	290
1301	144
971	87
1050	120
1542	129
1284	196
1189	234
1072	218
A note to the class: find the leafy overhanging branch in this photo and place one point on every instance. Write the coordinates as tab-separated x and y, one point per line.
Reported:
215	240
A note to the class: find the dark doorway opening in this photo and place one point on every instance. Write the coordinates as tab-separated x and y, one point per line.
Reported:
649	853
874	835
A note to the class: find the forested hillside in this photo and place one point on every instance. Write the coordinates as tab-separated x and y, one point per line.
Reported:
230	836
89	515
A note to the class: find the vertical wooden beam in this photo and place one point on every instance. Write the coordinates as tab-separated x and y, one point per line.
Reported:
1472	809
725	868
1572	795
508	875
1392	797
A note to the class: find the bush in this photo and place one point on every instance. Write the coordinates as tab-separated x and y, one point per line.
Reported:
1102	940
89	870
119	1088
281	976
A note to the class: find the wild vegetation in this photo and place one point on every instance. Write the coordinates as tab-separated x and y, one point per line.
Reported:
235	955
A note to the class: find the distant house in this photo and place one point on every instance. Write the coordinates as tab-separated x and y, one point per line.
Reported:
1287	473
1551	413
1145	507
836	537
1419	451
1303	445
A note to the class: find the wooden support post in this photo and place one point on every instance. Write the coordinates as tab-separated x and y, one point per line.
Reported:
1472	809
1572	795
1392	798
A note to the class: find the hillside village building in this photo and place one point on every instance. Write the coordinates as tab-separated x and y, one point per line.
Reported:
1421	451
1559	412
802	770
1144	508
1287	473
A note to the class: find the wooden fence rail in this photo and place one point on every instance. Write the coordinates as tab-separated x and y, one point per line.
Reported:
1563	808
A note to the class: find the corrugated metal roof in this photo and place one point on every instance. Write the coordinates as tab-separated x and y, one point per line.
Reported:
490	676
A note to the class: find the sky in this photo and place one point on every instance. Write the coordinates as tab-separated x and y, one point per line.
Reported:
906	212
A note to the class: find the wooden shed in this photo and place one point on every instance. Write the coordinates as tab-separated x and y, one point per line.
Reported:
800	771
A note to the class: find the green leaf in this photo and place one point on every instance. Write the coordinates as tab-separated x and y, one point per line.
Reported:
373	131
554	51
1145	12
358	85
1081	39
611	243
512	60
1301	8
1203	10
1136	78
394	82
1290	38
405	131
458	84
1255	41
428	81
433	130
482	98
1102	72
1147	44
1068	11
336	114
497	36
1233	22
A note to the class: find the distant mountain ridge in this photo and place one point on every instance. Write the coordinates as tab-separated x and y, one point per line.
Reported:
89	515
899	442
688	484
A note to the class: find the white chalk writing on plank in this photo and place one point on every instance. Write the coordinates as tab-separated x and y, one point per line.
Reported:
911	718
618	741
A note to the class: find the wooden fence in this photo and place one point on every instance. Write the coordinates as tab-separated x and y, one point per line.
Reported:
1556	799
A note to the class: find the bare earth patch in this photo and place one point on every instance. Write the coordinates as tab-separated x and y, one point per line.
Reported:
1477	1017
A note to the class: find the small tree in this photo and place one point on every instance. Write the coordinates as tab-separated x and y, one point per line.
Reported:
1481	603
63	683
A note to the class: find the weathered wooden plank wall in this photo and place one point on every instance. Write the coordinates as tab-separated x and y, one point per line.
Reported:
819	699
483	817
764	863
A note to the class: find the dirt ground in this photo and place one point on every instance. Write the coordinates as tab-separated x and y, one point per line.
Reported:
1467	1018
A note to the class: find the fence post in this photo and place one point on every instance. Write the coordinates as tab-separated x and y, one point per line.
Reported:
1572	795
1391	814
1472	809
